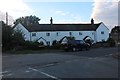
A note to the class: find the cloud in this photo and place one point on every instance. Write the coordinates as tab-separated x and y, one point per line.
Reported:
15	8
62	13
106	12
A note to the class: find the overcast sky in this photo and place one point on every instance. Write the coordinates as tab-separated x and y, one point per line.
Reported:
63	11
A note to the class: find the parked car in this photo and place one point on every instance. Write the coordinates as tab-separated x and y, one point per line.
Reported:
76	45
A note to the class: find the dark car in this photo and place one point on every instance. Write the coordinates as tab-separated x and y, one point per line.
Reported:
76	45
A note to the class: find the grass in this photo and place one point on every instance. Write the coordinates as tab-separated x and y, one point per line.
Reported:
34	51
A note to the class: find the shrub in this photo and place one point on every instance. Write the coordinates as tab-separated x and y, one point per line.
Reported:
41	43
31	45
11	38
111	42
56	44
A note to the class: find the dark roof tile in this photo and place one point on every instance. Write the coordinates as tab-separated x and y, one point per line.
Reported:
62	27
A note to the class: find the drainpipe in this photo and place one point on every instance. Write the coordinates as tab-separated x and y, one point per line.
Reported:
30	36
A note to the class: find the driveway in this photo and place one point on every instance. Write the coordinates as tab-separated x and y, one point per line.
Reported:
96	63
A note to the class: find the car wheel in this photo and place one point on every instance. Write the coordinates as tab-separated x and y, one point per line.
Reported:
73	49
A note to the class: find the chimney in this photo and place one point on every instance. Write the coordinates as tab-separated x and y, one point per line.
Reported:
51	21
92	21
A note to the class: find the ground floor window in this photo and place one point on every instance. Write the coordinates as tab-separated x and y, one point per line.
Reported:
103	40
48	43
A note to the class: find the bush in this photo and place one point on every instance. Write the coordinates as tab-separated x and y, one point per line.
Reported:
11	38
41	43
31	45
111	42
56	44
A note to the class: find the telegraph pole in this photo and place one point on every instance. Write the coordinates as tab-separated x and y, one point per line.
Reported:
6	18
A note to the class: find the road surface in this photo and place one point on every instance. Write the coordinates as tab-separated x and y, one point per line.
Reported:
96	63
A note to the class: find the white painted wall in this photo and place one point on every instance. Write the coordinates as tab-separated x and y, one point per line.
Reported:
53	35
24	31
95	35
99	36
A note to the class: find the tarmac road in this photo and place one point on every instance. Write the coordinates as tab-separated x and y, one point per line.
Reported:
96	63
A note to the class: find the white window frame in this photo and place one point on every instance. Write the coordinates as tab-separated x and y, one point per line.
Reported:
33	34
47	34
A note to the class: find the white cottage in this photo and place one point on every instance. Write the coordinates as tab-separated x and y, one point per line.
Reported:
47	33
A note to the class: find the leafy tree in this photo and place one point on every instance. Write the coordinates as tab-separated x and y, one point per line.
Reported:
116	29
28	20
6	36
111	42
11	38
18	38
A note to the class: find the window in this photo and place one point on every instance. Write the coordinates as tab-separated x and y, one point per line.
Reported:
57	33
33	34
48	43
70	33
80	33
103	40
92	33
102	32
47	34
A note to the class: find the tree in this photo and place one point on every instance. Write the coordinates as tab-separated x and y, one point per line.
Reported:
6	36
18	38
28	20
11	38
116	29
111	42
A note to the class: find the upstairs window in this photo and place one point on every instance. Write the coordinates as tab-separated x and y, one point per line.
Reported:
33	34
92	33
47	34
57	33
80	33
102	32
70	33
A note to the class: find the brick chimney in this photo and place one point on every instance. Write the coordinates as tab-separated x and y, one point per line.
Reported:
51	21
92	21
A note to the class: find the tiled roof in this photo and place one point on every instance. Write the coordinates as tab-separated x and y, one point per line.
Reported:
62	27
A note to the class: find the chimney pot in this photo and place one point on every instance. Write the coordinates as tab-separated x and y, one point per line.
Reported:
51	21
92	21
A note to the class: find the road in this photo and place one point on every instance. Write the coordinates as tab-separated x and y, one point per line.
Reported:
96	63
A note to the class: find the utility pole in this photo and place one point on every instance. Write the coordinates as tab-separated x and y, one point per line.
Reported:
6	18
